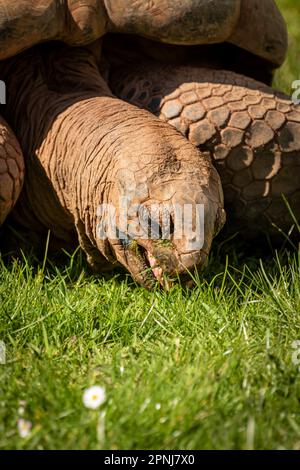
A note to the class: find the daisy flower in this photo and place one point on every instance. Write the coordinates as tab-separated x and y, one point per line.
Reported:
24	428
94	397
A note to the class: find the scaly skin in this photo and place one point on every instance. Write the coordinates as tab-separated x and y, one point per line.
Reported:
83	147
11	170
251	131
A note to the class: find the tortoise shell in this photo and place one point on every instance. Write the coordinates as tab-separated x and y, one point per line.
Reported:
254	25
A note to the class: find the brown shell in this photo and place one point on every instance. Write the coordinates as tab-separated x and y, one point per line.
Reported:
254	25
261	30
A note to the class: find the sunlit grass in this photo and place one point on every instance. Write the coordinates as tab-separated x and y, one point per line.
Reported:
215	358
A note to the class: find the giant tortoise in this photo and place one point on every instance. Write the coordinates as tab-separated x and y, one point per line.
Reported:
74	122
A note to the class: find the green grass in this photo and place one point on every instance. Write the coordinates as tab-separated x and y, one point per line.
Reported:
217	359
291	68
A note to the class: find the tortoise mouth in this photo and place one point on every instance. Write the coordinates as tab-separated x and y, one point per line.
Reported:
151	271
156	272
154	265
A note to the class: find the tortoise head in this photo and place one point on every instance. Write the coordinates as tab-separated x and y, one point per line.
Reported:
164	209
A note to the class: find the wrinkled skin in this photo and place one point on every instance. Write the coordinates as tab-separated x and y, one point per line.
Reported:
83	147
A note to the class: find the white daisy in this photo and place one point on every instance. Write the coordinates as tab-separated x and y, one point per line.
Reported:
94	397
24	428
